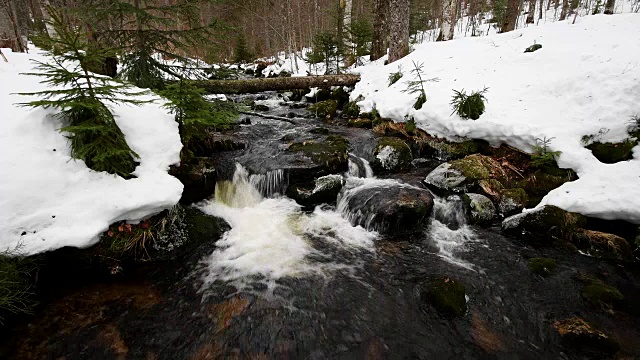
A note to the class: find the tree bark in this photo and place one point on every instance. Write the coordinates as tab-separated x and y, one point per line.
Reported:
565	7
18	45
399	46
380	13
511	15
531	14
448	22
610	7
280	83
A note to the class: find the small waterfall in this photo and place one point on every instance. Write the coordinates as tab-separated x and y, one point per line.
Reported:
449	230
271	238
359	167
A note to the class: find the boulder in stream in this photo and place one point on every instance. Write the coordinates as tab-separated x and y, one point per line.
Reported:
463	174
198	177
386	206
541	225
391	155
324	190
481	209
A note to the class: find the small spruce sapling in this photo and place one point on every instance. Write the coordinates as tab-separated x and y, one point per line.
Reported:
395	76
81	97
469	106
542	155
417	86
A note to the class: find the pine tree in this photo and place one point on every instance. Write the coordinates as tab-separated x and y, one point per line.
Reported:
242	54
81	98
149	32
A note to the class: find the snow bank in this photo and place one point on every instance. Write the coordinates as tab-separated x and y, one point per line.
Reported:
584	81
49	200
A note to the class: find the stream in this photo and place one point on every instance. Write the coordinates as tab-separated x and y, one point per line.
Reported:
286	282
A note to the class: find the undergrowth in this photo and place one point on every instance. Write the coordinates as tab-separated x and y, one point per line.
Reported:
543	156
16	293
469	106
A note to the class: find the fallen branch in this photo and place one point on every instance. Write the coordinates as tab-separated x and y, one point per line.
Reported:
4	57
280	83
271	117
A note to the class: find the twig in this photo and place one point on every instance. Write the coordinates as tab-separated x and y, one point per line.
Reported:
4	57
272	117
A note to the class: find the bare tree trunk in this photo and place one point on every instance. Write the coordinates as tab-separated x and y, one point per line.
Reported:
348	6
511	15
399	44
380	13
10	7
448	21
540	10
531	14
565	7
279	83
610	7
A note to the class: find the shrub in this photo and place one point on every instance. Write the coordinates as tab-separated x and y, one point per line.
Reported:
394	77
468	106
15	287
410	125
417	86
543	156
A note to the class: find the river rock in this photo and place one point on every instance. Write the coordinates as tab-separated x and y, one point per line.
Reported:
463	174
385	205
580	335
447	295
261	107
325	156
603	245
543	224
324	108
542	266
512	201
481	209
324	190
198	177
391	155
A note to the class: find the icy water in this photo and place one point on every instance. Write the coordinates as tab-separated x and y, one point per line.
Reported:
285	283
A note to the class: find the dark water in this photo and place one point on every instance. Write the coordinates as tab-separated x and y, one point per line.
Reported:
367	308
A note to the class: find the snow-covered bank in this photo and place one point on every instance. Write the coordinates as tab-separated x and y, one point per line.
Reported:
584	81
49	200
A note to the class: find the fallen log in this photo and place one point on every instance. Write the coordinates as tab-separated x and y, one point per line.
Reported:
280	83
267	116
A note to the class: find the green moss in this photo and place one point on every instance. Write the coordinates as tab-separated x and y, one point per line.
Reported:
340	96
610	153
402	154
513	201
360	123
541	182
320	131
351	109
334	149
447	150
472	167
542	266
447	295
597	293
202	227
324	108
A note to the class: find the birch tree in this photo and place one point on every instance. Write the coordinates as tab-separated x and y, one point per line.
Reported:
448	22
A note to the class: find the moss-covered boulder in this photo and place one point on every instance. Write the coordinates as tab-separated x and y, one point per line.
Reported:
599	293
542	266
542	225
340	96
327	156
351	109
481	209
386	207
446	150
391	155
323	190
447	295
602	244
610	153
464	174
491	188
539	183
362	123
580	336
512	201
325	108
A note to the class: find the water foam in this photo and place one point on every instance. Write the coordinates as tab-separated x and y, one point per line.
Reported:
449	230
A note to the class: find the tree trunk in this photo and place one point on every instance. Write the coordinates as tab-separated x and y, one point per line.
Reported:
448	22
348	6
610	7
540	10
511	15
380	13
280	83
565	7
532	12
18	45
399	44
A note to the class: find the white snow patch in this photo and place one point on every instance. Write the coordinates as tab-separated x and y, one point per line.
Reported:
388	157
49	200
585	78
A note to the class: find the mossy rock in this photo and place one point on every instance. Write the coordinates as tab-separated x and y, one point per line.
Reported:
391	155
542	181
542	266
320	95
324	108
600	293
512	201
610	153
323	190
481	209
362	123
475	167
580	335
340	96
351	109
447	295
542	225
320	131
331	154
446	150
492	188
603	245
533	48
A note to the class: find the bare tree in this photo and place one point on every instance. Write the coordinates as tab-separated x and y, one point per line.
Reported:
531	13
17	44
380	13
609	8
399	30
511	15
565	8
448	21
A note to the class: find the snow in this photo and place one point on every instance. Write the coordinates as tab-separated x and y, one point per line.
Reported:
584	81
49	200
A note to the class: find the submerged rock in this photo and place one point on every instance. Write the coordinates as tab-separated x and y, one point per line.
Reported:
481	209
385	205
580	335
324	190
391	155
542	266
542	224
447	295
